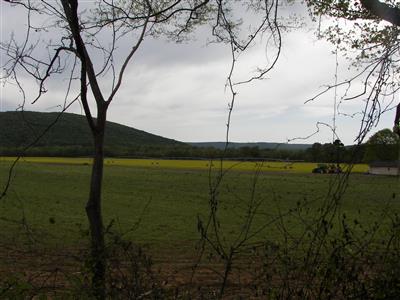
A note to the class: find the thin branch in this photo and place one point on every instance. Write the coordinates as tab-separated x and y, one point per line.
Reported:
128	58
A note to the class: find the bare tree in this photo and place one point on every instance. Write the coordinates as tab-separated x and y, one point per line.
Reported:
84	34
373	35
377	66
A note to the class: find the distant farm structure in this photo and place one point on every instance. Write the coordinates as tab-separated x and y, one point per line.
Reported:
391	168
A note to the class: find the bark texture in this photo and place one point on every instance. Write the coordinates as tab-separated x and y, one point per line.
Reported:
98	257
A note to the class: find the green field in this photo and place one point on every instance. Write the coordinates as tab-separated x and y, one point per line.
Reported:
157	202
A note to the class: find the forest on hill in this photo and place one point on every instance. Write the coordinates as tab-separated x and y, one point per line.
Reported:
42	134
52	134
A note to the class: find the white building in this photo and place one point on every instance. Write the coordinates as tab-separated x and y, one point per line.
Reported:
385	168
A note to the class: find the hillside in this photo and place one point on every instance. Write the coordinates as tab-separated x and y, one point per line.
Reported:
70	136
261	145
19	129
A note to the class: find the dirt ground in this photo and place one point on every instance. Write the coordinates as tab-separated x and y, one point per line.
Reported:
177	271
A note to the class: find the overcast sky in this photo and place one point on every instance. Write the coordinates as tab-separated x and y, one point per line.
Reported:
178	91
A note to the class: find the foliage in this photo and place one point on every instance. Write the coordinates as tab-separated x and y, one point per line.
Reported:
71	130
349	265
367	32
384	137
382	146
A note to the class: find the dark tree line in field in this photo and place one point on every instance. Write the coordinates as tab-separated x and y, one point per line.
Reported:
382	146
328	152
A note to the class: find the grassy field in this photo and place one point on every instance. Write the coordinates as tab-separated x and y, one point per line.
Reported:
158	201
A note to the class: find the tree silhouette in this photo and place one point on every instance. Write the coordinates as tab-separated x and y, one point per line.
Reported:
382	146
84	43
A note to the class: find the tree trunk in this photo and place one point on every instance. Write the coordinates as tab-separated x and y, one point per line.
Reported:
93	210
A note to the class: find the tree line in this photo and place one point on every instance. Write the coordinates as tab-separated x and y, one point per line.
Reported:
382	146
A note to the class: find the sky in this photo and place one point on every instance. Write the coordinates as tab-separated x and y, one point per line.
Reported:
178	90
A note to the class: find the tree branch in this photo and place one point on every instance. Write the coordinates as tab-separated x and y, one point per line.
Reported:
70	9
383	11
128	58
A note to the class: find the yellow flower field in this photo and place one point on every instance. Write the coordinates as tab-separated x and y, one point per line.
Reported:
291	167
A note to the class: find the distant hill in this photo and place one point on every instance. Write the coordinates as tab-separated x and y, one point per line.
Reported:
71	136
19	129
273	146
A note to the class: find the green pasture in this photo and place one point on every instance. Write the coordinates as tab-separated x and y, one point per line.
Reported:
159	202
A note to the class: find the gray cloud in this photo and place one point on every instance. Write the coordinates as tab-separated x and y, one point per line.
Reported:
177	90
